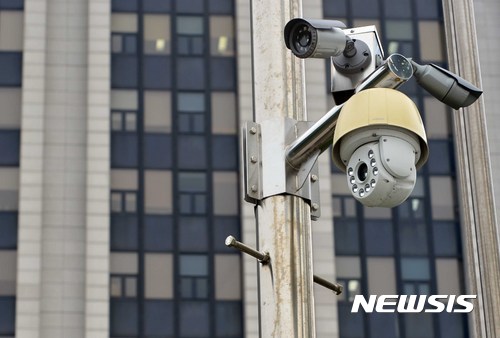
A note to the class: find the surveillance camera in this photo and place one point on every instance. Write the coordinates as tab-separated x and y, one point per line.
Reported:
315	38
447	87
380	143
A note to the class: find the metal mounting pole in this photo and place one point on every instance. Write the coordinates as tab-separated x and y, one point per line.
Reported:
479	227
286	306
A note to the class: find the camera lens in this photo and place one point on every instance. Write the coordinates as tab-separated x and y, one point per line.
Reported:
303	40
362	172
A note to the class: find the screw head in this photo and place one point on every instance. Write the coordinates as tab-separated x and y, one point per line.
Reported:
253	130
254	188
253	159
315	206
314	177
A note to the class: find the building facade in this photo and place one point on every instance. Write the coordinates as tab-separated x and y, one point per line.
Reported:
119	167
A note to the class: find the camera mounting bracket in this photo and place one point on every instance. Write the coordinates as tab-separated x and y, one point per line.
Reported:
266	171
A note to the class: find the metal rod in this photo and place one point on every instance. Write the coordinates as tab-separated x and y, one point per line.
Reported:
395	71
337	288
263	257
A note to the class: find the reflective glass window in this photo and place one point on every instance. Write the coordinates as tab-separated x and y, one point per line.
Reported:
157	72
190	6
124	317
350	324
158	233
416	269
397	8
334	8
224	152
440	157
428	9
194	319
156	6
7	319
418	325
446	235
124	232
379	237
159	318
399	30
157	151
124	5
191	73
11	74
9	147
365	9
222	73
384	325
193	234
413	237
221	6
228	319
346	236
8	230
224	226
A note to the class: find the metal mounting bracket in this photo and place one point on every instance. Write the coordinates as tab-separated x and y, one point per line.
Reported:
266	171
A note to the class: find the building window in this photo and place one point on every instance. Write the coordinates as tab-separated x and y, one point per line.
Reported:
11	74
9	147
158	192
194	319
193	234
221	36
192	193
193	271
346	236
190	38
7	319
157	34
191	111
159	318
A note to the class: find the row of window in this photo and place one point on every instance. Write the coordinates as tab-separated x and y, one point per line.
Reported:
190	35
160	318
193	271
180	6
157	73
194	234
192	192
190	109
422	9
191	152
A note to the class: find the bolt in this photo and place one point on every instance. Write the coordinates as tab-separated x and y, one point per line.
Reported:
253	131
315	206
254	188
314	178
253	159
263	257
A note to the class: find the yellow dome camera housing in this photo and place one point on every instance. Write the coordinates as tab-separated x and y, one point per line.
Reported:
380	142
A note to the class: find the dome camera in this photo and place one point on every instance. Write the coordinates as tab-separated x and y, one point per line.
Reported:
380	142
